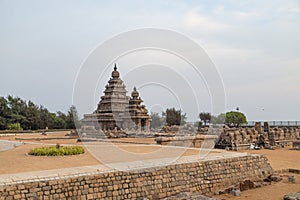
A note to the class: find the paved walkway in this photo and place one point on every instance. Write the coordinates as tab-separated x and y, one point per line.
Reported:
7	145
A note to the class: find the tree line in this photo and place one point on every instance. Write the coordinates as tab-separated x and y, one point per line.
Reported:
18	114
175	117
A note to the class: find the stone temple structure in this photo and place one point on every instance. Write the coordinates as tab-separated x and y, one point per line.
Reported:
116	110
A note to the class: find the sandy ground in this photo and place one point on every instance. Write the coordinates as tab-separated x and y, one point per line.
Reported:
282	158
16	161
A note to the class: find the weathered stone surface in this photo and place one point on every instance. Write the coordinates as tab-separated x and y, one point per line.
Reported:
258	127
292	196
246	185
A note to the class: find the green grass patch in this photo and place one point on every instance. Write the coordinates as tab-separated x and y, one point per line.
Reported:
57	151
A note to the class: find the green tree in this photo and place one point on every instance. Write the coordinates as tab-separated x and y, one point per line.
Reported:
56	122
17	108
44	117
32	115
72	119
234	118
205	117
157	120
63	117
174	117
220	119
4	113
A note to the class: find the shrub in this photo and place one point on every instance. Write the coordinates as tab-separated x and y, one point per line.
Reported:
15	127
57	151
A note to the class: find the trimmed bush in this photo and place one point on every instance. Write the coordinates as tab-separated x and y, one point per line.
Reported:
57	151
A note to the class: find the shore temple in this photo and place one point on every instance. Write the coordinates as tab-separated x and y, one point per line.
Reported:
117	110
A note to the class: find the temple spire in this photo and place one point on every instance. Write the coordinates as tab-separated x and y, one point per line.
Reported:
115	74
135	94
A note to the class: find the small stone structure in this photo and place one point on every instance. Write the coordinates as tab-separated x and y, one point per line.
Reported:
206	177
117	110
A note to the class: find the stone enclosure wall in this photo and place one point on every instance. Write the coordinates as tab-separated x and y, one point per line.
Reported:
154	183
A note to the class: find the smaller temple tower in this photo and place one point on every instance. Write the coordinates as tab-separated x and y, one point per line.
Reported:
138	112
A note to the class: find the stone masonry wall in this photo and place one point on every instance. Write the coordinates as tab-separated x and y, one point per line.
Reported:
154	183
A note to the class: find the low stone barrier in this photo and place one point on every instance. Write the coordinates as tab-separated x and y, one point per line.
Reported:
204	176
198	141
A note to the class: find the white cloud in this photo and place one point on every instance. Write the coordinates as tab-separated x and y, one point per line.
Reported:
193	19
245	15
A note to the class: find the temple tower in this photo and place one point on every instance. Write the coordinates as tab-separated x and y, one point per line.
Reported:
113	104
117	110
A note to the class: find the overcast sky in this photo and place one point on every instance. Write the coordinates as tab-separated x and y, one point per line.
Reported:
254	44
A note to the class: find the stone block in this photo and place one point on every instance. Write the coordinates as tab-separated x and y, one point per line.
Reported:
17	196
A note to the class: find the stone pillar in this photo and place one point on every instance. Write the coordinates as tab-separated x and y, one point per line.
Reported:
258	127
266	127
